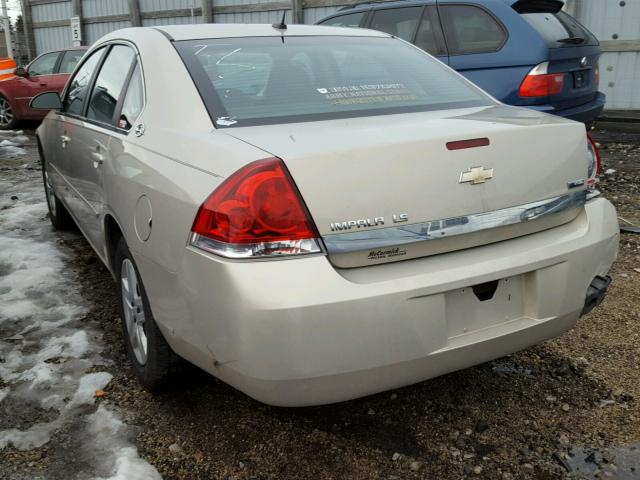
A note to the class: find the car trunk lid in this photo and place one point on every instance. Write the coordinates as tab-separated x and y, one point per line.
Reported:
581	81
378	178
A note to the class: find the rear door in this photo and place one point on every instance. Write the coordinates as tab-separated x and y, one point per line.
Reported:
67	123
573	50
90	147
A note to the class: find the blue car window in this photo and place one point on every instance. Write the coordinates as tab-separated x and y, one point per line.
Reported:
426	37
400	22
470	29
350	20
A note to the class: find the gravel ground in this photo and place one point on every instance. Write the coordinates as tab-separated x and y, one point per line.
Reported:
568	408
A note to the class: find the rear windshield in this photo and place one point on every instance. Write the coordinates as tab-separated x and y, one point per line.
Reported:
560	29
266	80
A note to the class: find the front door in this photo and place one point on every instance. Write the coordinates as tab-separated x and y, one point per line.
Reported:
37	80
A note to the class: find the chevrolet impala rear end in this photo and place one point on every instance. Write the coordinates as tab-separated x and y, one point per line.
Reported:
340	214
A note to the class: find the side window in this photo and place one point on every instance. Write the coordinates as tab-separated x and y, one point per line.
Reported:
470	29
133	101
78	86
401	22
43	65
426	37
351	20
70	59
109	84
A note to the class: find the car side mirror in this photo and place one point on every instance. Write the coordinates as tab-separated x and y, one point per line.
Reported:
20	72
46	101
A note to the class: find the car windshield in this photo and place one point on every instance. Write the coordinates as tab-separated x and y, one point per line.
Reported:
267	80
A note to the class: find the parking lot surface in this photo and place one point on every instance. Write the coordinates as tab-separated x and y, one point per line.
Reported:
569	408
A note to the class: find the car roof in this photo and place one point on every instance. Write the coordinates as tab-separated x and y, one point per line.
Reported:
367	4
230	30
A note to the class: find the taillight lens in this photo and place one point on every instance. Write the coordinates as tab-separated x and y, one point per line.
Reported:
596	75
256	212
540	83
594	163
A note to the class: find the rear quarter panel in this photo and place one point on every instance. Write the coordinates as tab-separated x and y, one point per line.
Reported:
150	168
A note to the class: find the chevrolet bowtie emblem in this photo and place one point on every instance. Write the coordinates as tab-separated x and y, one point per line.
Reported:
476	175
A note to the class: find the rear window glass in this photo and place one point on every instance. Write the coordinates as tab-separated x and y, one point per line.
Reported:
264	80
560	29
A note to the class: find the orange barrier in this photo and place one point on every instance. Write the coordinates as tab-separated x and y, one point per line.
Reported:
7	66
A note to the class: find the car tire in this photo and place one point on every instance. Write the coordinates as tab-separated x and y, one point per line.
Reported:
8	118
150	355
58	213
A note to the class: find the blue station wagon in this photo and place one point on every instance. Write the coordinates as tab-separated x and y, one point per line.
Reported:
527	53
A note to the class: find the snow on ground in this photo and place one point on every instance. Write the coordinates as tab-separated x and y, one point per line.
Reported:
49	353
11	143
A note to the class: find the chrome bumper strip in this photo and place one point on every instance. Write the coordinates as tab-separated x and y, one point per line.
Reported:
439	229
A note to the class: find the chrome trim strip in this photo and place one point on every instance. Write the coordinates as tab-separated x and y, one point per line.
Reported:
450	227
253	251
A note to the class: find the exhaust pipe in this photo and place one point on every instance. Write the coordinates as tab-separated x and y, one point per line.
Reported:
596	293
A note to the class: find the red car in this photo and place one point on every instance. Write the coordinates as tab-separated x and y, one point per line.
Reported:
47	73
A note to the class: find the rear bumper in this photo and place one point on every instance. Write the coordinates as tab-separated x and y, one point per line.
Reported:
584	113
299	332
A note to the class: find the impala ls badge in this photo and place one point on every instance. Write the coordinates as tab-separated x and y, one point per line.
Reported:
367	222
476	175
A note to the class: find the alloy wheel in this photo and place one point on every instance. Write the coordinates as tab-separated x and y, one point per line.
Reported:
134	316
6	113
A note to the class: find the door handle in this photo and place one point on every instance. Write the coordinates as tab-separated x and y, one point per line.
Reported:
98	159
64	139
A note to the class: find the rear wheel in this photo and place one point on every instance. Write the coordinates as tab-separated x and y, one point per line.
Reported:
151	357
7	115
58	214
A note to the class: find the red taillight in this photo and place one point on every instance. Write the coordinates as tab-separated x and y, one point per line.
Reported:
257	211
596	153
542	85
596	75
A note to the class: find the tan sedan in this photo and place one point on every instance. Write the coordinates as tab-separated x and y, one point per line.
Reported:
314	214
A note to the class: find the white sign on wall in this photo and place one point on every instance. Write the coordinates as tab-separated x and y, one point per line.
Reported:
76	31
